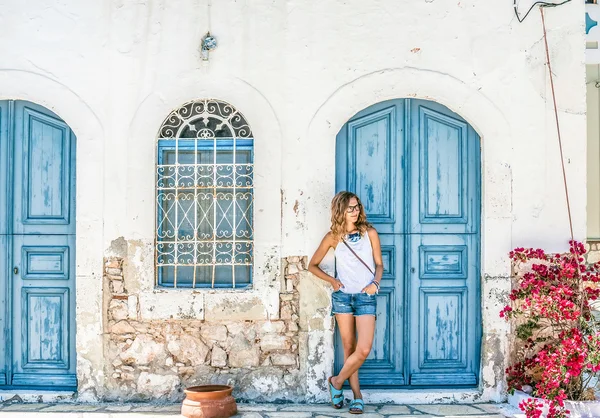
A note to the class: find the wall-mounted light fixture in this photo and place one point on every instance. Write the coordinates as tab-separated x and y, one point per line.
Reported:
209	43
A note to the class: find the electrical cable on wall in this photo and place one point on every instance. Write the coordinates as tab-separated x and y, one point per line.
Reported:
540	3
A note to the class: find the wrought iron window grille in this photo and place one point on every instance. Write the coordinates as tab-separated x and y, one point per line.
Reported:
204	200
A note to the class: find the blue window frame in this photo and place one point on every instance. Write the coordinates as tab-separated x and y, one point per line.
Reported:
204	234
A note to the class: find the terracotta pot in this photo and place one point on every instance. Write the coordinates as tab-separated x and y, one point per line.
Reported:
209	401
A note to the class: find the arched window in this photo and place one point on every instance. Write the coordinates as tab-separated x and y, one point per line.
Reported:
204	200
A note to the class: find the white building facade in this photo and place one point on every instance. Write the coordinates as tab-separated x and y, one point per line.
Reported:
438	115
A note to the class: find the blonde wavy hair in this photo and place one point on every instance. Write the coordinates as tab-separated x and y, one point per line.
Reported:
339	206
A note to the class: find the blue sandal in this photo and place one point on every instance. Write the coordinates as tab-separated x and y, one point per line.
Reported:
357	407
337	395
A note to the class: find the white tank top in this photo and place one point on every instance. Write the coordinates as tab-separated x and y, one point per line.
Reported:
353	274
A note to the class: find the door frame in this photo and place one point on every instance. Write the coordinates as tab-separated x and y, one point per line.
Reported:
401	156
8	147
73	108
496	142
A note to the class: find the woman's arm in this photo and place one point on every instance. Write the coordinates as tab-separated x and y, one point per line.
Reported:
316	259
376	245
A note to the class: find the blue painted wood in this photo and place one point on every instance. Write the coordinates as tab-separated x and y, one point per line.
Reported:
4	311
4	161
444	152
369	160
43	188
370	150
444	218
40	269
416	167
45	263
4	247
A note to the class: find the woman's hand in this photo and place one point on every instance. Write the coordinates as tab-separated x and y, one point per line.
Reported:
370	290
336	284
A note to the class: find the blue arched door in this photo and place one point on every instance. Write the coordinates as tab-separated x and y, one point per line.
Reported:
416	167
37	248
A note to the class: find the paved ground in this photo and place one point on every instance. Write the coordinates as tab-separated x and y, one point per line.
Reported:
21	410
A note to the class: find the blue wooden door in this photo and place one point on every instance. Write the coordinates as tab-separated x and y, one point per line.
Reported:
38	268
416	167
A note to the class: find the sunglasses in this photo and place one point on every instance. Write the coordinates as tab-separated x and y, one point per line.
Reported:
353	208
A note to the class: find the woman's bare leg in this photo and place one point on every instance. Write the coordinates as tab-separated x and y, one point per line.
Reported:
365	325
347	330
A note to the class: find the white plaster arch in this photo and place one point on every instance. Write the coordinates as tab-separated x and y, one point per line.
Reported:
496	145
262	301
59	98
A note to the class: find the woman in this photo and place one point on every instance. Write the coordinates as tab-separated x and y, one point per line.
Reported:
359	269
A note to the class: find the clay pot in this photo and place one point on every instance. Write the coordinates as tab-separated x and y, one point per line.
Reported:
209	401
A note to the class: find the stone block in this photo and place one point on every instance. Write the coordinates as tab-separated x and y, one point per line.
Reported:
144	350
270	342
188	349
593	257
285	359
128	376
122	327
118	309
292	269
235	328
271	327
292	326
314	301
243	354
218	357
114	271
186	370
155	385
172	304
117	286
286	312
132	307
237	307
113	264
214	333
140	327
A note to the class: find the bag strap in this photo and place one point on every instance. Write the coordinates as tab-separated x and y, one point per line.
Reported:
359	259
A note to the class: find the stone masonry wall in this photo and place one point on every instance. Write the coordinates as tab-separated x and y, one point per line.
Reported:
158	359
593	251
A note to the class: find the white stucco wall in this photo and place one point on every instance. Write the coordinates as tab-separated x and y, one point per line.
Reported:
297	70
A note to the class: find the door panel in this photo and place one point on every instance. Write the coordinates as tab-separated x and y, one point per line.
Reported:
369	156
37	263
43	297
444	154
444	309
4	310
369	160
415	166
42	172
4	169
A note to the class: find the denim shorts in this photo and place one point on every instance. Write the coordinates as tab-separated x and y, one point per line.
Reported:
353	303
